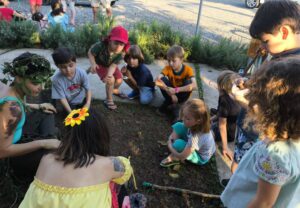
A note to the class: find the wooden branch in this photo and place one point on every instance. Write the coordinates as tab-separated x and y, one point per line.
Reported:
186	191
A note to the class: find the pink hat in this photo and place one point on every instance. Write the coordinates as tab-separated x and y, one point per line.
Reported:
119	33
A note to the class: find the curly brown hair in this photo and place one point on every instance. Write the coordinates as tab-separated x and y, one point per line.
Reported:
274	99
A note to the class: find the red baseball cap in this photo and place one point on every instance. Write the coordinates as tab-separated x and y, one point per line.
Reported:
119	33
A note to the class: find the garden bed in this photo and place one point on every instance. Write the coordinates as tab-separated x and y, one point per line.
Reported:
136	131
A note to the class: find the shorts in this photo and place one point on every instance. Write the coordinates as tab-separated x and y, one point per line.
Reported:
104	3
36	2
102	72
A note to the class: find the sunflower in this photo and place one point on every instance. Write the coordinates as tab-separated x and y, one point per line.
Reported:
76	117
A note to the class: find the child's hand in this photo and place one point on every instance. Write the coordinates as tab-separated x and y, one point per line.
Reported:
124	70
227	153
171	90
107	79
93	68
47	108
159	83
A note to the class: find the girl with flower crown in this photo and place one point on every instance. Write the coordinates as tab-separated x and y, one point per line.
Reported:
79	172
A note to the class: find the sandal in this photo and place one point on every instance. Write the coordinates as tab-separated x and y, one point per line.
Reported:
121	95
110	105
164	163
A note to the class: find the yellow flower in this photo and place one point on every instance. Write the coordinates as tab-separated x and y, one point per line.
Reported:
76	117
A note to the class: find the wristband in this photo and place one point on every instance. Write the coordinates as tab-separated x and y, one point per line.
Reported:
176	90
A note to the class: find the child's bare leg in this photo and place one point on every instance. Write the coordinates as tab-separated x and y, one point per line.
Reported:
234	166
117	84
109	89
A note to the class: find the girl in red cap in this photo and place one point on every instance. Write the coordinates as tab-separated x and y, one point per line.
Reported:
104	57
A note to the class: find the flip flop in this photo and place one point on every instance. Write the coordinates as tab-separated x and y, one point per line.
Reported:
110	105
169	164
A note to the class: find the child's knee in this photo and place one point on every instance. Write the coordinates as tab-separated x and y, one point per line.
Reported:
179	145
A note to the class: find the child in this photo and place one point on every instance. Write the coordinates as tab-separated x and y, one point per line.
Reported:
277	25
79	172
176	81
35	5
106	4
225	121
269	174
104	57
8	14
57	16
70	85
192	139
139	77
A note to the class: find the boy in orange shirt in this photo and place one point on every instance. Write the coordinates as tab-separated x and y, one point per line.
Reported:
176	81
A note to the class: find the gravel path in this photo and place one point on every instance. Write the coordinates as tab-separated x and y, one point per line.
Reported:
220	18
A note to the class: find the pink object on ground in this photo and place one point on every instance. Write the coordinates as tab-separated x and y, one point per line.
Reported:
126	202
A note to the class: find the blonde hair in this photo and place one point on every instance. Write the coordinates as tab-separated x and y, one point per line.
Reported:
175	51
226	79
200	112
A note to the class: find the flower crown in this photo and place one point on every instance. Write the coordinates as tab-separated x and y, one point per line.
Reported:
76	117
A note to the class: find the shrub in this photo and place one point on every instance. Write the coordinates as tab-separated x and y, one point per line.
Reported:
154	40
17	34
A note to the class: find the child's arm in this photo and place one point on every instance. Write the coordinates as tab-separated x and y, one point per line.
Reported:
266	195
182	155
92	61
223	133
65	104
88	97
16	14
187	88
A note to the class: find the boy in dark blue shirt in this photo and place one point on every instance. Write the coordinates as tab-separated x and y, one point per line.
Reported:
139	77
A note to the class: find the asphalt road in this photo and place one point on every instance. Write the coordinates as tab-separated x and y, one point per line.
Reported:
219	18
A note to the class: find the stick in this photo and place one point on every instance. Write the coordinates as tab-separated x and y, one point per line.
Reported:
186	191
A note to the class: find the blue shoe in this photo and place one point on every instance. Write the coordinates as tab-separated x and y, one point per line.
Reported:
133	95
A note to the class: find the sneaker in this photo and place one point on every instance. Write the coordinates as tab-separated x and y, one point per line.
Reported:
133	95
224	182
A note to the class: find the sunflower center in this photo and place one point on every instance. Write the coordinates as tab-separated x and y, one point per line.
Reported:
76	115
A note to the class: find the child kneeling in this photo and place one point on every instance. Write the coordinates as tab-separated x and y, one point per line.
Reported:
139	77
191	139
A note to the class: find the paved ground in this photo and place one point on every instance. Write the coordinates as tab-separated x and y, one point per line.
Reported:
220	18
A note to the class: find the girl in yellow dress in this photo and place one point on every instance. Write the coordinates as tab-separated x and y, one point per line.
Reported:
78	173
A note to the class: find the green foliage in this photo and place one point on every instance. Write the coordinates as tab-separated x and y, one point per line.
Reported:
105	24
224	54
154	40
17	34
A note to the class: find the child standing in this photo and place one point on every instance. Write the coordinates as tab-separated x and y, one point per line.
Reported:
176	80
6	13
70	85
78	173
139	77
191	139
104	57
269	174
224	124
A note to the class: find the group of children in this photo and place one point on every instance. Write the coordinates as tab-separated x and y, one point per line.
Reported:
259	112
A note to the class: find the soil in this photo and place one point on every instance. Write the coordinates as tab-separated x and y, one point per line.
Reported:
137	131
